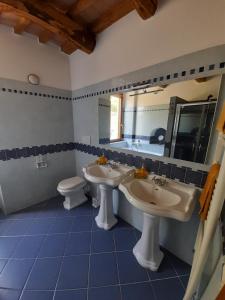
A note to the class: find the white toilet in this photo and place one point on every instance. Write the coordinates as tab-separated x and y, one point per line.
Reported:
72	190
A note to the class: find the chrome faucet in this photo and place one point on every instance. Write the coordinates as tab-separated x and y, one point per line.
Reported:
159	181
112	165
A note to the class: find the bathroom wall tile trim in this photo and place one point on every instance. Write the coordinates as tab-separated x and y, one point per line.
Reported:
17	153
199	64
9	86
172	171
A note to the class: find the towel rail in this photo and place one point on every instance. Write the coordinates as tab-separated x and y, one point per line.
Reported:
207	228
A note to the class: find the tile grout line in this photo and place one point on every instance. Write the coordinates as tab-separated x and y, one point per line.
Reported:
89	259
178	276
117	266
28	277
61	264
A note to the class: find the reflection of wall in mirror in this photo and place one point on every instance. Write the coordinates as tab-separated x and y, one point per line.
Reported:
104	120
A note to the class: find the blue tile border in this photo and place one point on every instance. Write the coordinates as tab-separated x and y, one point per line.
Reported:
32	93
171	171
198	70
17	153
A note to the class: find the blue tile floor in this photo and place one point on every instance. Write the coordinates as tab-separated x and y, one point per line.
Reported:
48	253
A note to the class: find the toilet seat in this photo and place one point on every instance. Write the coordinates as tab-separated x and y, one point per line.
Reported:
71	183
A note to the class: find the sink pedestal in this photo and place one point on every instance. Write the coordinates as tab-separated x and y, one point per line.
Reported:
147	251
105	218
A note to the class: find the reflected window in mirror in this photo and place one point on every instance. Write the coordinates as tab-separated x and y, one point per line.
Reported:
115	117
176	120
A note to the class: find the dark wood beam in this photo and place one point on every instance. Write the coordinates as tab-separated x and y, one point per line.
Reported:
52	20
44	37
21	25
112	15
81	5
145	8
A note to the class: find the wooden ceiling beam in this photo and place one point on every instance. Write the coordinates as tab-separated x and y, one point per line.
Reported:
21	25
112	15
81	5
145	8
53	21
44	37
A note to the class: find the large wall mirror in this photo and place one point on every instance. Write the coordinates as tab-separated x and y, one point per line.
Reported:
175	120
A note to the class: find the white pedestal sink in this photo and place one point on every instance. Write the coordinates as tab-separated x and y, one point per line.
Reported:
107	177
173	200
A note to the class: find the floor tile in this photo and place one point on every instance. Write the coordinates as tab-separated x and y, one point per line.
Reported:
103	270
180	266
61	225
2	264
9	294
165	270
122	224
28	247
44	274
125	239
23	214
8	245
74	272
141	291
78	243
4	226
71	295
84	210
18	227
47	212
82	223
37	295
184	279
103	293
129	269
168	289
102	242
53	245
40	226
15	273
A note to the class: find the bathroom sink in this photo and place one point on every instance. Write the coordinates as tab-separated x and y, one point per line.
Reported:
106	177
106	174
174	200
156	197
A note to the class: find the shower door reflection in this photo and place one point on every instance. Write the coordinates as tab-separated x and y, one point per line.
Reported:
192	128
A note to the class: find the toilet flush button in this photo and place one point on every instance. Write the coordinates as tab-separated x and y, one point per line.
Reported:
41	162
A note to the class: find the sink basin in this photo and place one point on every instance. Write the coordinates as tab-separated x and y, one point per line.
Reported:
105	174
172	199
107	177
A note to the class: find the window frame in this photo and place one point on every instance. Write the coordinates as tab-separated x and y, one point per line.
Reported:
120	96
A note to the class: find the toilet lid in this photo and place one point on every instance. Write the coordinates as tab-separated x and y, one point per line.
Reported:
71	183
